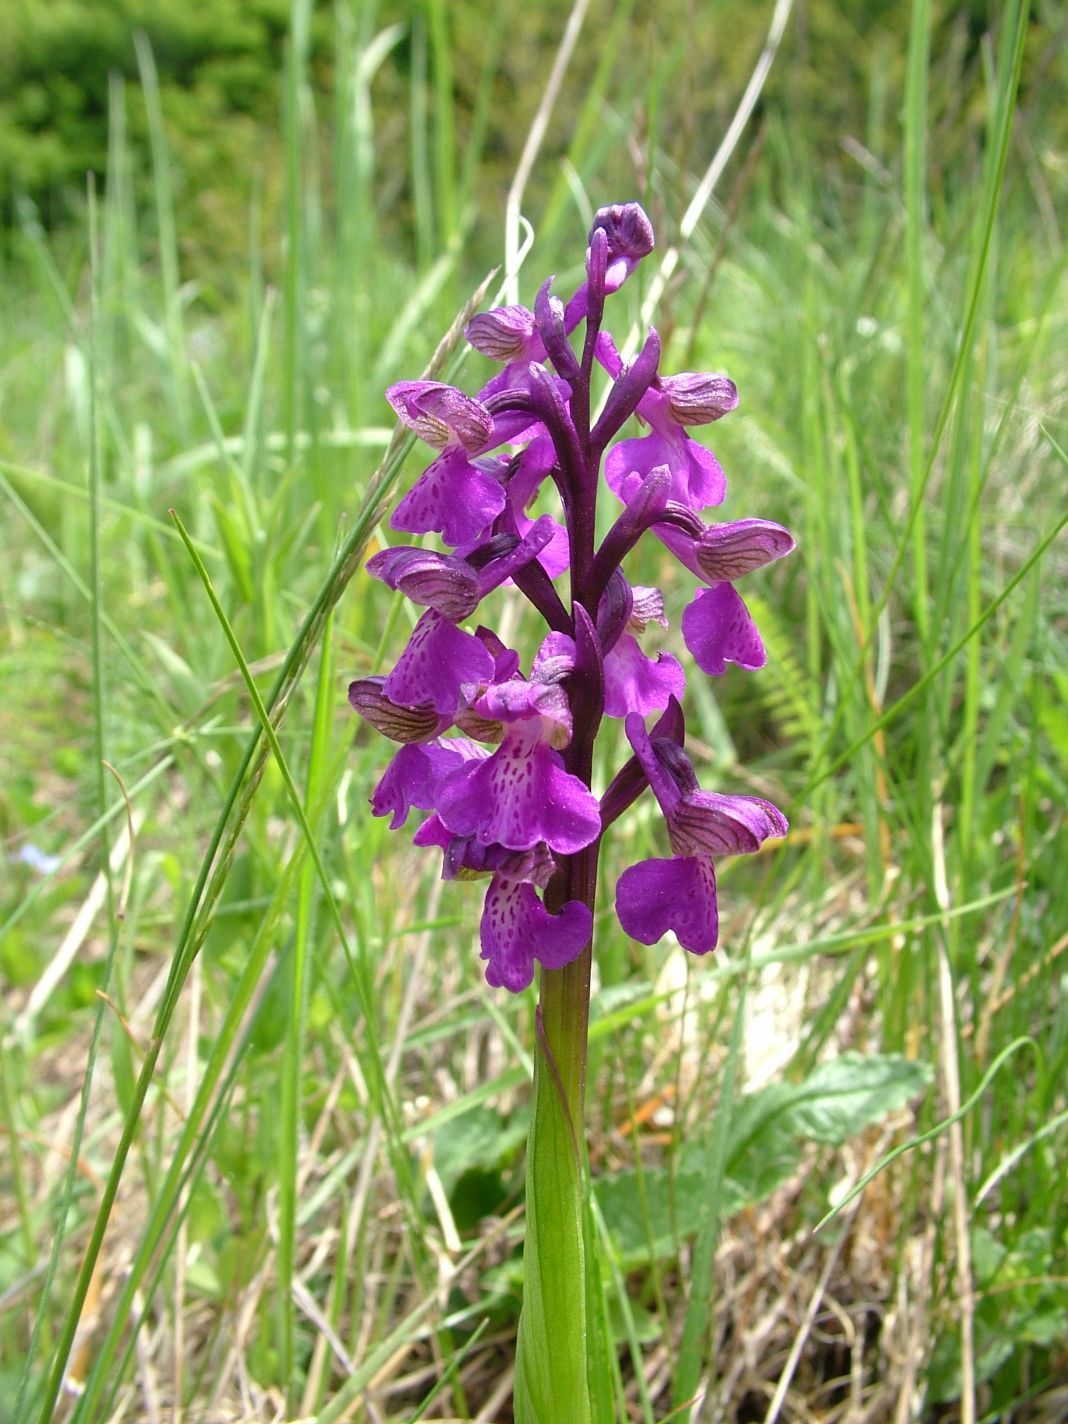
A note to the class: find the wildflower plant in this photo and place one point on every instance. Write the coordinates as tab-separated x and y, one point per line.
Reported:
501	761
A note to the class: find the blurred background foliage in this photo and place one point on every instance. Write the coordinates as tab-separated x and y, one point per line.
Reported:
220	74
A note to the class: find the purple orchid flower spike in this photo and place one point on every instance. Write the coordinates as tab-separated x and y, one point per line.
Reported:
496	756
498	764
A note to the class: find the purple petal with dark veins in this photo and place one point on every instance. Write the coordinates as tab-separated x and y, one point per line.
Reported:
440	581
706	823
400	724
724	552
717	629
698	397
441	415
679	894
505	334
516	929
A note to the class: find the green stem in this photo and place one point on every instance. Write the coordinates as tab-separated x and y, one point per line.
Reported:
553	1348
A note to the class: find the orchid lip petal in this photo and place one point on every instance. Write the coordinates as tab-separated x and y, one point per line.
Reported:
678	894
437	663
635	683
520	795
717	629
516	929
453	497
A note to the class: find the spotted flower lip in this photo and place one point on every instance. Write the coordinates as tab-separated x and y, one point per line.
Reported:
438	663
516	929
678	894
521	795
496	755
454	497
697	479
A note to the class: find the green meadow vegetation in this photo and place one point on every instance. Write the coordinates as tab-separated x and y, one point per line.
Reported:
262	1120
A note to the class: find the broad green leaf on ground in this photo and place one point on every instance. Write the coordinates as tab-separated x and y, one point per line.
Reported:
648	1213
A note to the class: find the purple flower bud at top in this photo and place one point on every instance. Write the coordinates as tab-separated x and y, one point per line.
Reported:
630	238
697	397
505	334
441	415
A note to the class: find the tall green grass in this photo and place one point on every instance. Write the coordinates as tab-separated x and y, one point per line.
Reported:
265	1132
